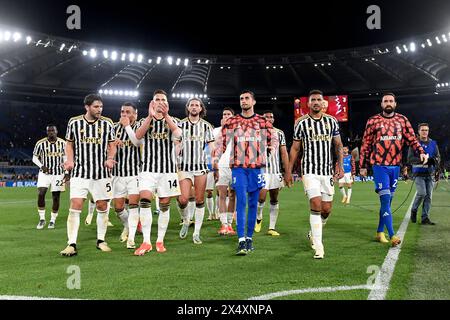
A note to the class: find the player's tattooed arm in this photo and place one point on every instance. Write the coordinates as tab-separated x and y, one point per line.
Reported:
339	151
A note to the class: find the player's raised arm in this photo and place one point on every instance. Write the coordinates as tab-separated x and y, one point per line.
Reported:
140	133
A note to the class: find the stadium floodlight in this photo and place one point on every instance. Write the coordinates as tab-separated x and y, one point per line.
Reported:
150	60
47	44
429	42
140	57
62	47
446	84
207	61
229	68
105	54
412	47
405	48
84	51
178	61
186	62
126	93
110	92
114	55
182	95
398	49
131	57
169	60
315	65
444	37
17	36
438	41
221	67
438	85
93	53
100	91
199	61
322	64
7	36
367	60
373	59
116	92
205	96
423	45
120	92
274	67
158	60
173	95
281	67
136	93
124	56
71	47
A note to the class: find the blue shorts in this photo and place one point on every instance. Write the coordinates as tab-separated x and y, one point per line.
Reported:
249	179
385	177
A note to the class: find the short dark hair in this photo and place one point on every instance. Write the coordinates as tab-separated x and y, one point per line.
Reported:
229	109
202	113
423	124
268	111
250	92
159	91
51	125
315	91
388	94
90	98
129	104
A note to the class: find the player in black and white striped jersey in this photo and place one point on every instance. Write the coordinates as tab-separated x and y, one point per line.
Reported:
90	151
158	174
125	172
273	178
49	155
196	133
315	133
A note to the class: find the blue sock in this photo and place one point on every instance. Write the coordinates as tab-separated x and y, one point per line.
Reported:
241	203
381	222
252	211
385	210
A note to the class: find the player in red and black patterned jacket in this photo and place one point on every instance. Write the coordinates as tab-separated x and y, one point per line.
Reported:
250	136
384	138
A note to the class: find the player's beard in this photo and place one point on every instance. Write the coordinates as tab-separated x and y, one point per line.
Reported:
389	109
316	111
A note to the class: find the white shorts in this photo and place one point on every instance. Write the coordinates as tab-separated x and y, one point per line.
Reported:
164	184
347	178
273	181
123	186
225	177
210	182
55	181
100	189
182	175
318	186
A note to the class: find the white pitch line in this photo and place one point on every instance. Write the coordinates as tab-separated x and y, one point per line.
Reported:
384	277
309	290
16	202
31	298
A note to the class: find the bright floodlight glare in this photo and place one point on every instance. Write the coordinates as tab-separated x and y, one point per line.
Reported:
62	47
158	60
100	91
173	95
423	45
444	37
126	93
131	57
398	49
124	55
150	60
446	84
47	44
438	85
120	92
93	53
438	40
105	54
412	46
205	96
315	65
114	55
198	61
139	58
182	95
186	61
17	36
84	51
178	61
71	47
7	36
429	42
116	92
281	67
405	48
207	61
169	60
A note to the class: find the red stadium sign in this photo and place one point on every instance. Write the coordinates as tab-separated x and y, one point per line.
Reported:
337	107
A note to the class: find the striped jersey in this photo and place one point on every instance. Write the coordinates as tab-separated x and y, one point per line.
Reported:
316	136
158	150
194	138
50	154
384	138
250	137
273	159
90	145
128	156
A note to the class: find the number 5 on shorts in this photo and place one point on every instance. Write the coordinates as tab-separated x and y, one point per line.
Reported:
108	187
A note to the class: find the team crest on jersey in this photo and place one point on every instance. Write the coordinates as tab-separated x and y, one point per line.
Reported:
327	126
100	131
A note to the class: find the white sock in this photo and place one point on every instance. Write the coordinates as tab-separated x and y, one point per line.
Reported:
216	207
315	221
349	192
91	208
273	215
343	191
53	217
223	218
163	222
241	239
123	216
230	218
133	220
73	224
41	214
191	209
199	214
227	201
146	218
210	205
324	221
102	224
157	203
260	210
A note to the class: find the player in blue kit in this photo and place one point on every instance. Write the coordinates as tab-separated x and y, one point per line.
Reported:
349	174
